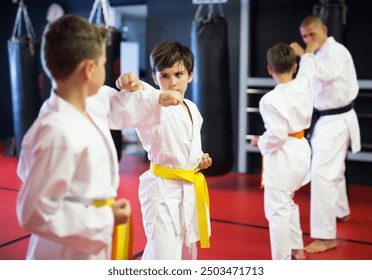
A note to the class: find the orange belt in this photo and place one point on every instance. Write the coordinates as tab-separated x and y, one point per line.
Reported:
298	135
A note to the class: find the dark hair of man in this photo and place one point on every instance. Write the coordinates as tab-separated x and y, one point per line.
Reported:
68	41
167	53
281	58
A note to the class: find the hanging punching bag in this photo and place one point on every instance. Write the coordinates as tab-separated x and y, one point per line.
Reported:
23	52
122	248
112	73
211	88
99	15
334	15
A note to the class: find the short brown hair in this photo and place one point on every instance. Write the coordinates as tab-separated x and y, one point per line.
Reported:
281	57
312	19
68	41
167	53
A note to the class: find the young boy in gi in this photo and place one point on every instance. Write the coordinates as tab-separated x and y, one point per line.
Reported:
175	209
286	112
68	162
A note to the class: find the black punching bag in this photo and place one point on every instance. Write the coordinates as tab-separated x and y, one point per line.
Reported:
334	15
23	52
112	73
211	87
99	15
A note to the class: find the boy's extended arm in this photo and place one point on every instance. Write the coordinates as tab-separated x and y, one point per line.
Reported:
130	82
311	47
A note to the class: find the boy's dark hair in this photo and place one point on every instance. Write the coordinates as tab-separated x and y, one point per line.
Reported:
281	58
68	41
167	53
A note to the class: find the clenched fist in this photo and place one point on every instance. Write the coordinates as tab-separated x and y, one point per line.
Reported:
129	81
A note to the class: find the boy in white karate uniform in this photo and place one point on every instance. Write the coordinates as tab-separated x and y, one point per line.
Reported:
68	162
286	112
175	210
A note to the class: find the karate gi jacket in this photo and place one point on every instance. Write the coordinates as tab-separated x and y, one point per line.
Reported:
173	140
287	109
66	162
335	86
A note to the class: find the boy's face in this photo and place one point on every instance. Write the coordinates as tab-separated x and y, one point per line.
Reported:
99	72
173	78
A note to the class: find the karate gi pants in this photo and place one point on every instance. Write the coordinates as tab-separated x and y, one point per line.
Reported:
284	223
165	244
329	200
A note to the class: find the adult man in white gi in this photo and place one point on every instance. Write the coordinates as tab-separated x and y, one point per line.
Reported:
335	88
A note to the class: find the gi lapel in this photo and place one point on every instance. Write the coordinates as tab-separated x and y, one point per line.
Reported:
195	151
105	132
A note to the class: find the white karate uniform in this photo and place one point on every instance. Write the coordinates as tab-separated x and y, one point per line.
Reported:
168	206
335	86
67	162
286	160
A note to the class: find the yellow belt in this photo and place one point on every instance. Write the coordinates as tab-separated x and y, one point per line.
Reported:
201	193
122	237
298	135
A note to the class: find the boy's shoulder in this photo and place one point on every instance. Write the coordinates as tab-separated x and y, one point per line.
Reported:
100	102
192	106
52	126
275	97
189	102
44	130
271	94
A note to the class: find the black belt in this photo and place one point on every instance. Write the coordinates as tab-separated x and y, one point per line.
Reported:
335	111
320	113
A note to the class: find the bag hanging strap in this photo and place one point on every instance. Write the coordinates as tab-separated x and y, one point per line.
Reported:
17	29
199	17
100	12
100	15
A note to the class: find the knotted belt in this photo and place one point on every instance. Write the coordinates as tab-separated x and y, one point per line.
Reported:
298	135
201	193
320	113
122	237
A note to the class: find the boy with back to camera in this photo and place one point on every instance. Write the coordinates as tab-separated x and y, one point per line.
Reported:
68	162
286	112
173	194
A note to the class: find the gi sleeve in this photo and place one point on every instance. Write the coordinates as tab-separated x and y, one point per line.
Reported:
132	109
276	128
332	67
307	70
